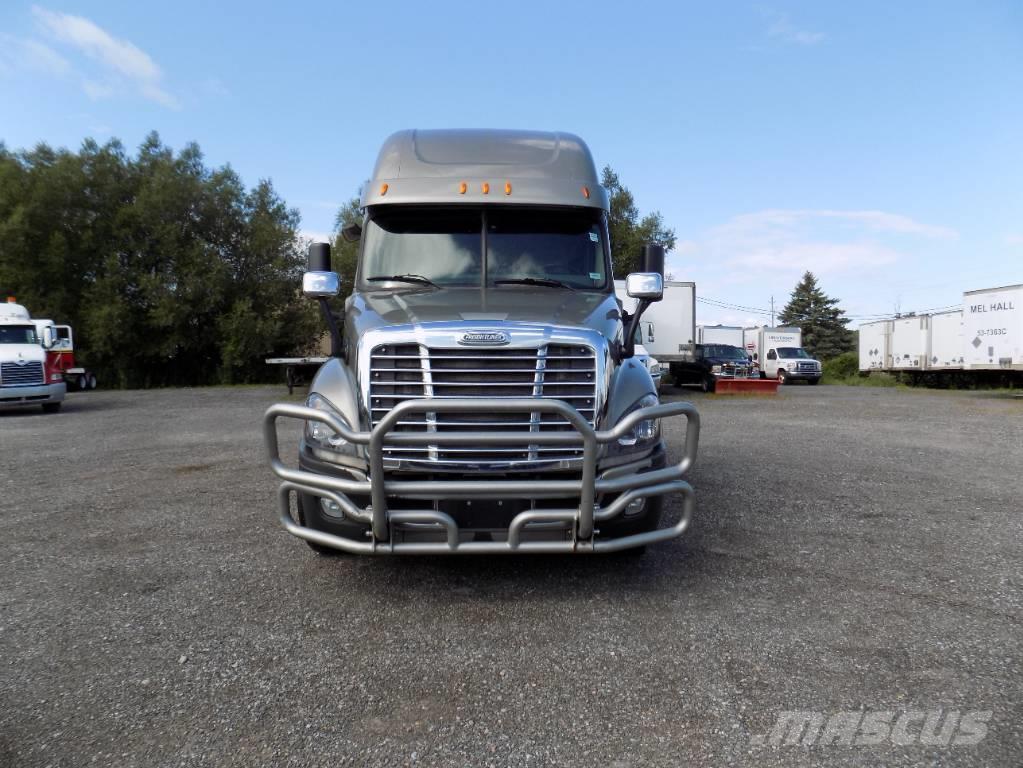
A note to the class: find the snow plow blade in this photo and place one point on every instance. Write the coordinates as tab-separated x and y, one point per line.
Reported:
746	386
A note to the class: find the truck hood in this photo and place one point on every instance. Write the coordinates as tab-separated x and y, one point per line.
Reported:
728	361
476	307
27	352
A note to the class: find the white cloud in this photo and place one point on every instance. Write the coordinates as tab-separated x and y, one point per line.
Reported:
780	221
33	55
780	28
122	60
215	88
817	256
783	243
1014	239
96	90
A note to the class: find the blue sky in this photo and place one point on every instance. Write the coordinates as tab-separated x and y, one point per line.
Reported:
879	144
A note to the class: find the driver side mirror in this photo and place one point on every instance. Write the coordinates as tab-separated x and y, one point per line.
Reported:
49	339
320	282
647	286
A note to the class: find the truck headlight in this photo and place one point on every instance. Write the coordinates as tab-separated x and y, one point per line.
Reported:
715	369
644	431
319	434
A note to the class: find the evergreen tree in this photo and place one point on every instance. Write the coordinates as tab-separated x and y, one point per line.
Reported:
628	232
823	324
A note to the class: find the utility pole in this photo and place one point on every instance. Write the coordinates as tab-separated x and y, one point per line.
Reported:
772	311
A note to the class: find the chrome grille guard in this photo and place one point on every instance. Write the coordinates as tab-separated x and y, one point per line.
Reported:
587	486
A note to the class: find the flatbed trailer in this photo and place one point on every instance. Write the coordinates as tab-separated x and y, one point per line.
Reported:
296	368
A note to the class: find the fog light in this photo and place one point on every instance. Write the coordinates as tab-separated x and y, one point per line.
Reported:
331	508
635	507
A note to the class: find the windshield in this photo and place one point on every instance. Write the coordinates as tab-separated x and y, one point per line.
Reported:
18	334
557	248
724	352
790	352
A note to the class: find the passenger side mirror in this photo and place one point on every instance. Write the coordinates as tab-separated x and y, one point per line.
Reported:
647	286
320	282
48	338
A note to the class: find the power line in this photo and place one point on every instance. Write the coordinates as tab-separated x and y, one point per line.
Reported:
866	317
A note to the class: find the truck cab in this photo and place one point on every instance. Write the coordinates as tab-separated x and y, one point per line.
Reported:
788	364
482	394
26	378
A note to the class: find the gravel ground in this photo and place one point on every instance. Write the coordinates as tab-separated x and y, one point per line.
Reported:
853	549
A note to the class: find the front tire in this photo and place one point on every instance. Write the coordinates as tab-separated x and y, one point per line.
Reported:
783	378
707	384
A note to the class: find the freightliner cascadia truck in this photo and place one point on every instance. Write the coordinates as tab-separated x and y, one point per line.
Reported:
481	395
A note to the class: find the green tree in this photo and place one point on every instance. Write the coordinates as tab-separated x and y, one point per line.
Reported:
629	233
824	328
170	272
345	254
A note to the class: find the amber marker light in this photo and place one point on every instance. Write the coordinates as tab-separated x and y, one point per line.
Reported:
486	188
463	188
507	187
383	189
586	192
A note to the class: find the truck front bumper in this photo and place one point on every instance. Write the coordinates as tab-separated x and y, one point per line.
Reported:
524	534
32	395
802	375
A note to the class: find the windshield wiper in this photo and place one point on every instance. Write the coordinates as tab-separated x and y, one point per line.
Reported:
402	279
547	283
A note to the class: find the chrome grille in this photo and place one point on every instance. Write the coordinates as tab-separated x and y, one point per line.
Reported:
806	366
14	375
400	372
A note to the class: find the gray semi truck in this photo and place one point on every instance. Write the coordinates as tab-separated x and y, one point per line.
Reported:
481	394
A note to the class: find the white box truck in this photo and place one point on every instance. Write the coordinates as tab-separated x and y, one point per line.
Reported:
669	326
719	334
779	353
945	341
993	328
876	346
909	343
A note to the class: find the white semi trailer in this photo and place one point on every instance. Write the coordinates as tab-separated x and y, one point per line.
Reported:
731	335
945	341
909	343
669	326
876	346
993	328
985	335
